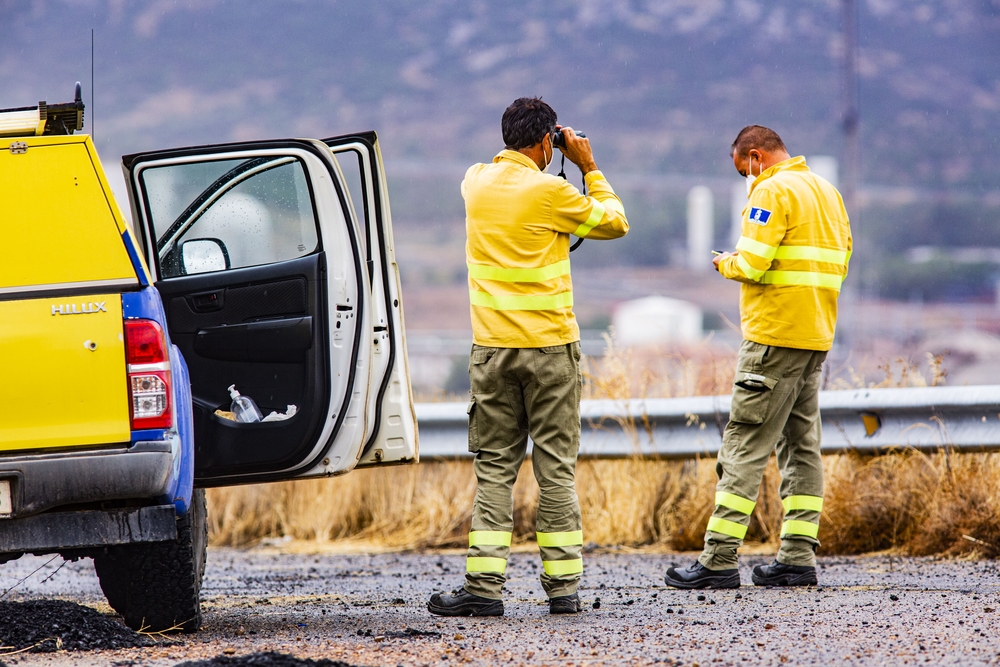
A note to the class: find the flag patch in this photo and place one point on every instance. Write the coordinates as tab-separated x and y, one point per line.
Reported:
759	216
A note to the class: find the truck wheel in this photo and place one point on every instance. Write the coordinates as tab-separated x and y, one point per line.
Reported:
156	586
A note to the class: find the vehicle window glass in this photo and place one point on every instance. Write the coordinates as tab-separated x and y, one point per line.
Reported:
258	211
350	165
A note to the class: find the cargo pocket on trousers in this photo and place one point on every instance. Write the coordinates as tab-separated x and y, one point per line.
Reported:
473	427
553	364
482	374
751	398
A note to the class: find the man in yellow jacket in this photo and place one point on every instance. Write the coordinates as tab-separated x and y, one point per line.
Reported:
792	259
524	366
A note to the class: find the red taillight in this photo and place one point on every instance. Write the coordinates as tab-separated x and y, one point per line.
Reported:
145	342
148	375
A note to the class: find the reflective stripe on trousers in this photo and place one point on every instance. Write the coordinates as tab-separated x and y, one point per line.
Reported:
555	548
546	541
484	540
485	564
792	527
727	527
738	504
805	511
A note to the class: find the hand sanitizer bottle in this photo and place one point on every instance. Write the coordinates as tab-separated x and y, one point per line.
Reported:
243	407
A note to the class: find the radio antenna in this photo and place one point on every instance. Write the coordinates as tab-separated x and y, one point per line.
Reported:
93	125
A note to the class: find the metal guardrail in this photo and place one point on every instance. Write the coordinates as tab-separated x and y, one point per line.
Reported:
862	420
450	343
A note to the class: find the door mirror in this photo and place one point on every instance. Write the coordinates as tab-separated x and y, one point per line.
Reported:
203	256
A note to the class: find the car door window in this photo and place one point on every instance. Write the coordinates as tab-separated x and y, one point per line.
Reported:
256	211
352	168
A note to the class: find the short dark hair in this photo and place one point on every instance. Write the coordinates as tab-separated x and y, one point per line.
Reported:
526	122
756	136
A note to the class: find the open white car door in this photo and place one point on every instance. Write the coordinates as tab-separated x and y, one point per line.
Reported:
261	262
392	422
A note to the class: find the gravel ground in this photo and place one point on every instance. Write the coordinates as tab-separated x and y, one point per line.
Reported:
50	625
370	610
263	659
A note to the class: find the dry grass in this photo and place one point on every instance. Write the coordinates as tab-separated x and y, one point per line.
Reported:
915	503
907	502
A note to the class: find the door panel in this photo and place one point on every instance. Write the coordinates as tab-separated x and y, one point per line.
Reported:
282	318
393	430
220	352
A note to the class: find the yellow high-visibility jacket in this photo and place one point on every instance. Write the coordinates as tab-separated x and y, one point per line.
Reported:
792	258
518	221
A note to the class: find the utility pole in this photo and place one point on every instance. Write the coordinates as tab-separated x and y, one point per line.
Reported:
850	119
850	115
700	228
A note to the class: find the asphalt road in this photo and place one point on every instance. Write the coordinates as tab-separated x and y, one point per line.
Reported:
370	610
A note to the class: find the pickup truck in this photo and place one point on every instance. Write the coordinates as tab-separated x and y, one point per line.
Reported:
267	265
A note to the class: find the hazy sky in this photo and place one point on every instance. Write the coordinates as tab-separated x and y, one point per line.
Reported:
661	86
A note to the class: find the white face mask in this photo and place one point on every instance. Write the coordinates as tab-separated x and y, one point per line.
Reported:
750	177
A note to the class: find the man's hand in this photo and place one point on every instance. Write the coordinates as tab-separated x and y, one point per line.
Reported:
577	150
718	258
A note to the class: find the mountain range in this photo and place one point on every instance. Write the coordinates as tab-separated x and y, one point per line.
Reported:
661	86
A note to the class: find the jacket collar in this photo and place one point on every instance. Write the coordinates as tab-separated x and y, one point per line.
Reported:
515	156
791	164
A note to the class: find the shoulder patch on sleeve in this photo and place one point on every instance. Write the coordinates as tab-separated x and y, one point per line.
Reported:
759	216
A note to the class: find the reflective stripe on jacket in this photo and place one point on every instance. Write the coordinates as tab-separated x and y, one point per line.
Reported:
792	258
518	223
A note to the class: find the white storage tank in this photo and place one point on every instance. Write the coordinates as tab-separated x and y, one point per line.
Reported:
657	319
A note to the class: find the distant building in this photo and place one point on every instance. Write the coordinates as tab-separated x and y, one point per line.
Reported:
657	319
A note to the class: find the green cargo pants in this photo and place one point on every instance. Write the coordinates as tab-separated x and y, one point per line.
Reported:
517	392
775	404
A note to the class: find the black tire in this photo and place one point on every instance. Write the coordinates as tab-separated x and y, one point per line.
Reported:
156	586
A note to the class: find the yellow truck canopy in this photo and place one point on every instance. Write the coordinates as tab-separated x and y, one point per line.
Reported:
59	224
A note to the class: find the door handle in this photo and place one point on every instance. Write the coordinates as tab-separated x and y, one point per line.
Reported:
207	302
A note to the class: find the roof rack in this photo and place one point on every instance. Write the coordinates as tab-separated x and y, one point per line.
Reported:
44	118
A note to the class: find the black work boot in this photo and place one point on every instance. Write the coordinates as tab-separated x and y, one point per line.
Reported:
461	602
699	576
779	574
566	604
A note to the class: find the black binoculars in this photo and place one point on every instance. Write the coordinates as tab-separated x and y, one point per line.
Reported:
559	141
